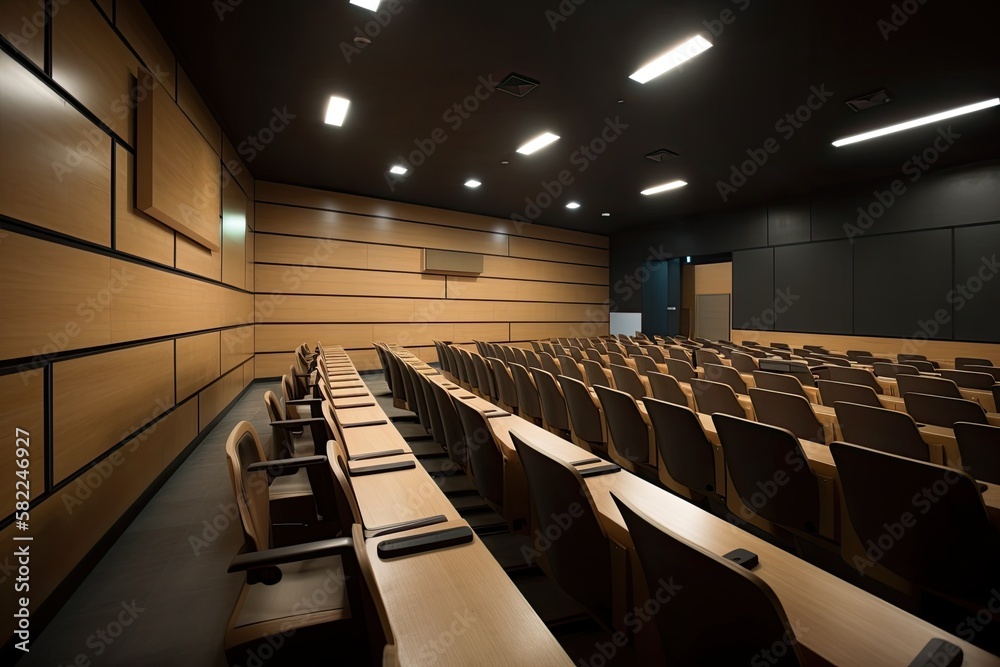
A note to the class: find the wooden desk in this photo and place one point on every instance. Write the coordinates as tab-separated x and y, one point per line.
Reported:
458	607
371	439
401	495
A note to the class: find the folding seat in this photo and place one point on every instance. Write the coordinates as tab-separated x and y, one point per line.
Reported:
943	411
694	629
831	392
979	446
712	397
528	405
665	387
782	382
885	430
629	437
550	397
725	375
628	380
586	426
787	411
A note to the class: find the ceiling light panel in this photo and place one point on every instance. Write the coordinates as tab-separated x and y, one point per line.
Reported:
671	59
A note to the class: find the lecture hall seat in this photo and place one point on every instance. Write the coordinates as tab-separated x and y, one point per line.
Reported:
943	411
278	577
714	397
885	430
685	451
586	425
666	388
722	614
831	392
788	411
979	447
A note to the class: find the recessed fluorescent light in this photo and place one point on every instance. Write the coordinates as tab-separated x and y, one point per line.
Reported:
538	143
926	120
399	171
672	185
672	59
573	205
472	183
605	215
336	111
371	5
689	259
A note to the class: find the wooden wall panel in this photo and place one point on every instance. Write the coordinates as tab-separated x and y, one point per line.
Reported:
415	335
53	298
237	347
237	168
348	227
79	514
179	176
138	29
271	365
523	290
213	400
527	269
136	385
938	350
286	337
512	311
93	65
22	395
251	253
557	252
194	108
234	235
249	374
282	308
55	166
300	251
197	362
22	23
135	232
237	307
345	282
198	259
335	201
537	331
161	304
394	258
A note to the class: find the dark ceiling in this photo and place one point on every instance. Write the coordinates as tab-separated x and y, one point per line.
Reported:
250	57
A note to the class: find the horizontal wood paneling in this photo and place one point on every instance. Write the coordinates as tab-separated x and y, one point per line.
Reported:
527	269
22	23
347	227
136	385
55	165
198	259
53	298
538	331
286	337
300	251
198	362
236	167
135	232
407	335
79	514
213	400
550	312
345	282
272	365
138	29
334	201
237	347
22	397
557	252
160	304
939	350
93	65
460	287
194	108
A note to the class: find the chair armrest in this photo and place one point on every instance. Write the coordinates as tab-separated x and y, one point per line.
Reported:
281	467
305	401
291	554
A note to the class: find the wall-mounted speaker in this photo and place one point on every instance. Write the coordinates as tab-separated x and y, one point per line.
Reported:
450	263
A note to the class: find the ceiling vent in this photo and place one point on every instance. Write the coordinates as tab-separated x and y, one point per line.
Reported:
517	85
661	155
869	101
